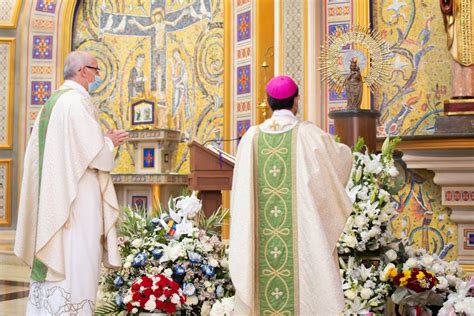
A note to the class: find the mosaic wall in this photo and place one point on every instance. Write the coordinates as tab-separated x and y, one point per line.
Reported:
420	78
422	218
243	69
170	50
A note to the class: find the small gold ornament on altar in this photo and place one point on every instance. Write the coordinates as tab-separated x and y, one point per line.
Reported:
360	51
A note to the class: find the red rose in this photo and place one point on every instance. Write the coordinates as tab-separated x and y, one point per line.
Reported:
174	286
169	307
136	296
159	305
146	282
135	287
158	292
162	282
129	307
147	292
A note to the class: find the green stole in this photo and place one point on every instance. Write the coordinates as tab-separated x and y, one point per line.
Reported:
276	252
39	270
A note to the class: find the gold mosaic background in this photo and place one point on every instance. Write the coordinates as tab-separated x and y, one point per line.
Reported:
422	218
171	51
420	78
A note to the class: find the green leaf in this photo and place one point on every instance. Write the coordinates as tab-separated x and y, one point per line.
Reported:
108	309
359	144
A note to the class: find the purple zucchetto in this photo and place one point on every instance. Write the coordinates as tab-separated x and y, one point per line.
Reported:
281	87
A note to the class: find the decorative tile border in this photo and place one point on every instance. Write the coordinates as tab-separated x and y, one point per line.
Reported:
243	26
338	19
242	126
244	52
43	24
242	2
42	47
457	196
47	6
243	106
5	191
40	92
339	11
7	77
243	79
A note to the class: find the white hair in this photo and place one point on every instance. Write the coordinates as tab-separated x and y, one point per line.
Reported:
75	61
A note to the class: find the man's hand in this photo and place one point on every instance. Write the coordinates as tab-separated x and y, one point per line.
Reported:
117	137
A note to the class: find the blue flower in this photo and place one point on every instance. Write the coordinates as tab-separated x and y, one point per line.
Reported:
179	273
139	260
194	257
155	221
118	281
189	289
208	270
119	300
157	253
179	270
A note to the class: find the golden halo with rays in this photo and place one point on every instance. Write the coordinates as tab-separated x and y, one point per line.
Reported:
367	40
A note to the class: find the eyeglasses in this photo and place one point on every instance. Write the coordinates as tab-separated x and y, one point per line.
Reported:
97	69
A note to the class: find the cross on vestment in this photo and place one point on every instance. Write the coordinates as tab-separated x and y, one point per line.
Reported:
274	126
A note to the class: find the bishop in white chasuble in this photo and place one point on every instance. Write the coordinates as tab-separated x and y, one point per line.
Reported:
288	209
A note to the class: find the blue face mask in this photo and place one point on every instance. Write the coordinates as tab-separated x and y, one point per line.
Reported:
94	84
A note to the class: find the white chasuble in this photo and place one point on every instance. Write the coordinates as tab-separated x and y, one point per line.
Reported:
288	209
68	206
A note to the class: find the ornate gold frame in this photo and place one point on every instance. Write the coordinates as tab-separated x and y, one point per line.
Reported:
146	99
8	144
14	21
8	201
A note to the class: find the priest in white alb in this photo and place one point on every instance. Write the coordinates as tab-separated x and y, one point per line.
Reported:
288	209
68	206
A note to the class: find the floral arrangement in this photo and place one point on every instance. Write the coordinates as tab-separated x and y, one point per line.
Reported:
363	290
377	269
373	180
460	302
413	289
179	244
154	293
